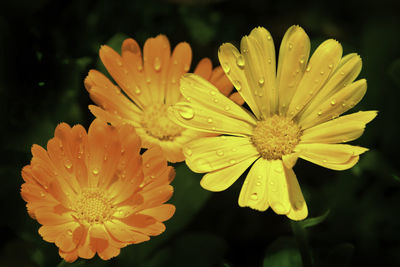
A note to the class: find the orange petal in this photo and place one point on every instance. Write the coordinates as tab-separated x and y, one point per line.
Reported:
160	213
204	68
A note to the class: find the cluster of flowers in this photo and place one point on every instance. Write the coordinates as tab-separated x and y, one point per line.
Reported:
93	192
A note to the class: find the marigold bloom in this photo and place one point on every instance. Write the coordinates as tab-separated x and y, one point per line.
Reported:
295	114
94	193
146	88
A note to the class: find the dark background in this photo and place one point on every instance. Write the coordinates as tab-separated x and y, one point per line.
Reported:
46	50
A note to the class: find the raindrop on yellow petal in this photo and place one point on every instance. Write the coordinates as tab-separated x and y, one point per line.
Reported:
240	61
186	112
254	196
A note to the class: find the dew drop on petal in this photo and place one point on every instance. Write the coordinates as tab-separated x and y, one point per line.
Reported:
226	68
240	61
254	196
212	92
227	108
330	66
209	120
278	207
237	85
69	232
308	69
220	152
68	164
261	81
186	67
95	171
188	151
157	63
319	113
298	205
138	91
333	102
186	113
232	161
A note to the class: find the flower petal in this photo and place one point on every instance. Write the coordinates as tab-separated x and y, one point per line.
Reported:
228	57
332	156
321	65
254	190
298	209
258	52
221	179
348	69
293	57
179	64
221	81
343	129
277	188
332	107
214	153
160	213
204	68
156	56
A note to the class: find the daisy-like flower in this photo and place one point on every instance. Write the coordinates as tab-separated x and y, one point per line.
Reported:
295	114
147	87
94	193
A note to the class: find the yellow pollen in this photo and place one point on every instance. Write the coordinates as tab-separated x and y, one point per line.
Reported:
276	136
93	206
157	124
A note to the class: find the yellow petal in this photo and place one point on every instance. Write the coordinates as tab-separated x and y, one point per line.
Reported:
293	57
228	57
258	53
200	118
321	65
337	104
199	91
221	179
213	153
254	190
298	209
348	69
343	129
289	160
277	188
332	156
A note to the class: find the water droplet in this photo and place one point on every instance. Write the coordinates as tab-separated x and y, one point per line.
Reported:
343	104
240	61
68	164
212	92
324	161
278	170
188	151
297	107
148	80
186	67
237	85
157	63
271	183
69	232
269	37
333	102
298	204
215	100
311	92
42	194
254	196
319	113
220	152
147	165
119	63
342	73
226	68
95	171
290	46
140	67
122	150
227	108
277	207
308	68
261	81
269	61
232	161
175	62
330	66
301	61
186	112
105	157
322	72
258	183
209	120
234	149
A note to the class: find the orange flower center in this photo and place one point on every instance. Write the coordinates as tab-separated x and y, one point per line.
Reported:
93	206
276	136
156	123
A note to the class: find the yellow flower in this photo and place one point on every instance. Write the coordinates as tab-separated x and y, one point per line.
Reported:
295	114
147	87
94	193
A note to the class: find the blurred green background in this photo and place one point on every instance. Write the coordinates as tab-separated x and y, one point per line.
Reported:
47	48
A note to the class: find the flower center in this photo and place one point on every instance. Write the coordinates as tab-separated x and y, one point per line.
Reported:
276	136
93	206
156	123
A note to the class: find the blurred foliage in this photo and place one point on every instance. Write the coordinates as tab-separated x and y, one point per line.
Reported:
47	48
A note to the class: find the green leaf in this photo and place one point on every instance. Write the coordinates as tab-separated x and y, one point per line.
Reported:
314	221
283	253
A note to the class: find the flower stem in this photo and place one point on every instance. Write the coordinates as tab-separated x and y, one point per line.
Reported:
301	238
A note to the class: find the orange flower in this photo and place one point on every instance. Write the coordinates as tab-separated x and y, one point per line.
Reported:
147	87
94	193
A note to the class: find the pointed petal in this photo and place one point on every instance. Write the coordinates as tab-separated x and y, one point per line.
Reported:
221	179
228	57
321	65
213	153
293	57
332	107
343	129
298	209
254	190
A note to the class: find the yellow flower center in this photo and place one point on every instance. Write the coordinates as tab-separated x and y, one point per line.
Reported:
93	206
156	123
276	136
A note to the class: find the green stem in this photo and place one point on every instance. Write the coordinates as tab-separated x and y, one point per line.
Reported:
300	234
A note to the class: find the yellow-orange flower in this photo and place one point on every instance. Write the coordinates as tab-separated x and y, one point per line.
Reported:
147	87
94	193
296	112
